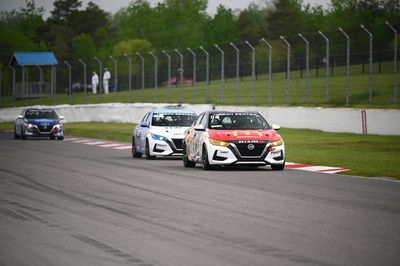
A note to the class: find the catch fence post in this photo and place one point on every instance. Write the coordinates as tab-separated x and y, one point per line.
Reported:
288	70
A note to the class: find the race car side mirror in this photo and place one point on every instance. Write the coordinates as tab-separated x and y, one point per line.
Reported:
61	117
144	124
20	117
199	127
276	127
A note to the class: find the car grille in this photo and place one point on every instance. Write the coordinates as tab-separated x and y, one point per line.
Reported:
45	129
244	150
178	143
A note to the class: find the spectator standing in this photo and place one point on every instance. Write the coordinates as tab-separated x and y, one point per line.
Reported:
95	81
106	77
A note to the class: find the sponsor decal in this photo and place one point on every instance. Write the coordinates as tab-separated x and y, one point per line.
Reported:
161	145
246	133
250	141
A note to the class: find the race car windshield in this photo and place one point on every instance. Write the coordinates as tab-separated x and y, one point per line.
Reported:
238	121
173	120
41	114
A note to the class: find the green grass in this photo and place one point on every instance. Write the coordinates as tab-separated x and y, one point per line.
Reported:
382	91
365	155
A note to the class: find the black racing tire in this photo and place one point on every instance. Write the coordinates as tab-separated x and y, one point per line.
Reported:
15	134
204	159
278	167
23	136
186	161
147	151
135	154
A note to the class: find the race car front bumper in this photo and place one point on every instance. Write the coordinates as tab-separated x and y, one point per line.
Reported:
262	154
170	147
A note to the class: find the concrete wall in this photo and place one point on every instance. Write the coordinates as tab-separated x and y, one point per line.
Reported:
379	122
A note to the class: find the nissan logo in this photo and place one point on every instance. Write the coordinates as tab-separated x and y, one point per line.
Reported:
250	147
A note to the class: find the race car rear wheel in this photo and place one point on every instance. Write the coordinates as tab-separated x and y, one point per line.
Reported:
204	159
147	151
135	154
186	161
278	166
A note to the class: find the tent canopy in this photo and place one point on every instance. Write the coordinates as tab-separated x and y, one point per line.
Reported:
33	59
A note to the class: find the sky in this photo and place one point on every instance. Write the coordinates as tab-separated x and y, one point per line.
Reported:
114	5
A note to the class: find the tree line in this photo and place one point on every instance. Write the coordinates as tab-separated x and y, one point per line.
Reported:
73	32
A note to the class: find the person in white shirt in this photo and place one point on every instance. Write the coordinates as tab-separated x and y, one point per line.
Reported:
106	77
95	81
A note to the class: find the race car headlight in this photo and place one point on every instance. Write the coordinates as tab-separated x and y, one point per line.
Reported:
277	143
58	126
28	125
218	142
158	137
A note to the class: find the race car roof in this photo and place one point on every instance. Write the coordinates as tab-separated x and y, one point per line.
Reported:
174	111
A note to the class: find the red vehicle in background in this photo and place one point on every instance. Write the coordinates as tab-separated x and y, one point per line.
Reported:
176	81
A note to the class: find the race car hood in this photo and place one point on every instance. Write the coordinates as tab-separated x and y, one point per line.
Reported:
243	135
171	132
43	122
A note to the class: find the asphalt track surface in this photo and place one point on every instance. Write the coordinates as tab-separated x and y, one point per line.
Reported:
65	203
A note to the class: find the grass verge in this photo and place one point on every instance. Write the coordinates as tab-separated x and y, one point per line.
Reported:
365	155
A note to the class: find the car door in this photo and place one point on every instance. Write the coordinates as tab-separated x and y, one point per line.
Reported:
199	135
140	136
19	121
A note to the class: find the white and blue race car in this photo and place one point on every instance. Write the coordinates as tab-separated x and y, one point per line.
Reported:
39	122
160	133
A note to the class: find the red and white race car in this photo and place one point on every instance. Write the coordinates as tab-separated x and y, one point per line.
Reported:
176	81
228	138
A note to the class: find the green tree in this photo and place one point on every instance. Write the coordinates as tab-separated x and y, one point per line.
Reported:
285	19
19	31
131	47
65	9
83	47
249	30
222	28
179	24
88	20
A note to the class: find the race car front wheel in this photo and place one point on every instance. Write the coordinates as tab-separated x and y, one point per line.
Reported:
135	154
23	136
204	159
15	134
148	156
278	166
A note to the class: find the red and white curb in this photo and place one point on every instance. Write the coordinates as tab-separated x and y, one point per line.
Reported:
100	143
315	168
296	166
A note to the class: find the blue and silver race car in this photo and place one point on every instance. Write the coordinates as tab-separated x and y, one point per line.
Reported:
160	133
39	122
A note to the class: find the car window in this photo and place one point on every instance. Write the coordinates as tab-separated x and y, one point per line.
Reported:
41	114
198	120
204	121
145	117
173	119
238	120
148	118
